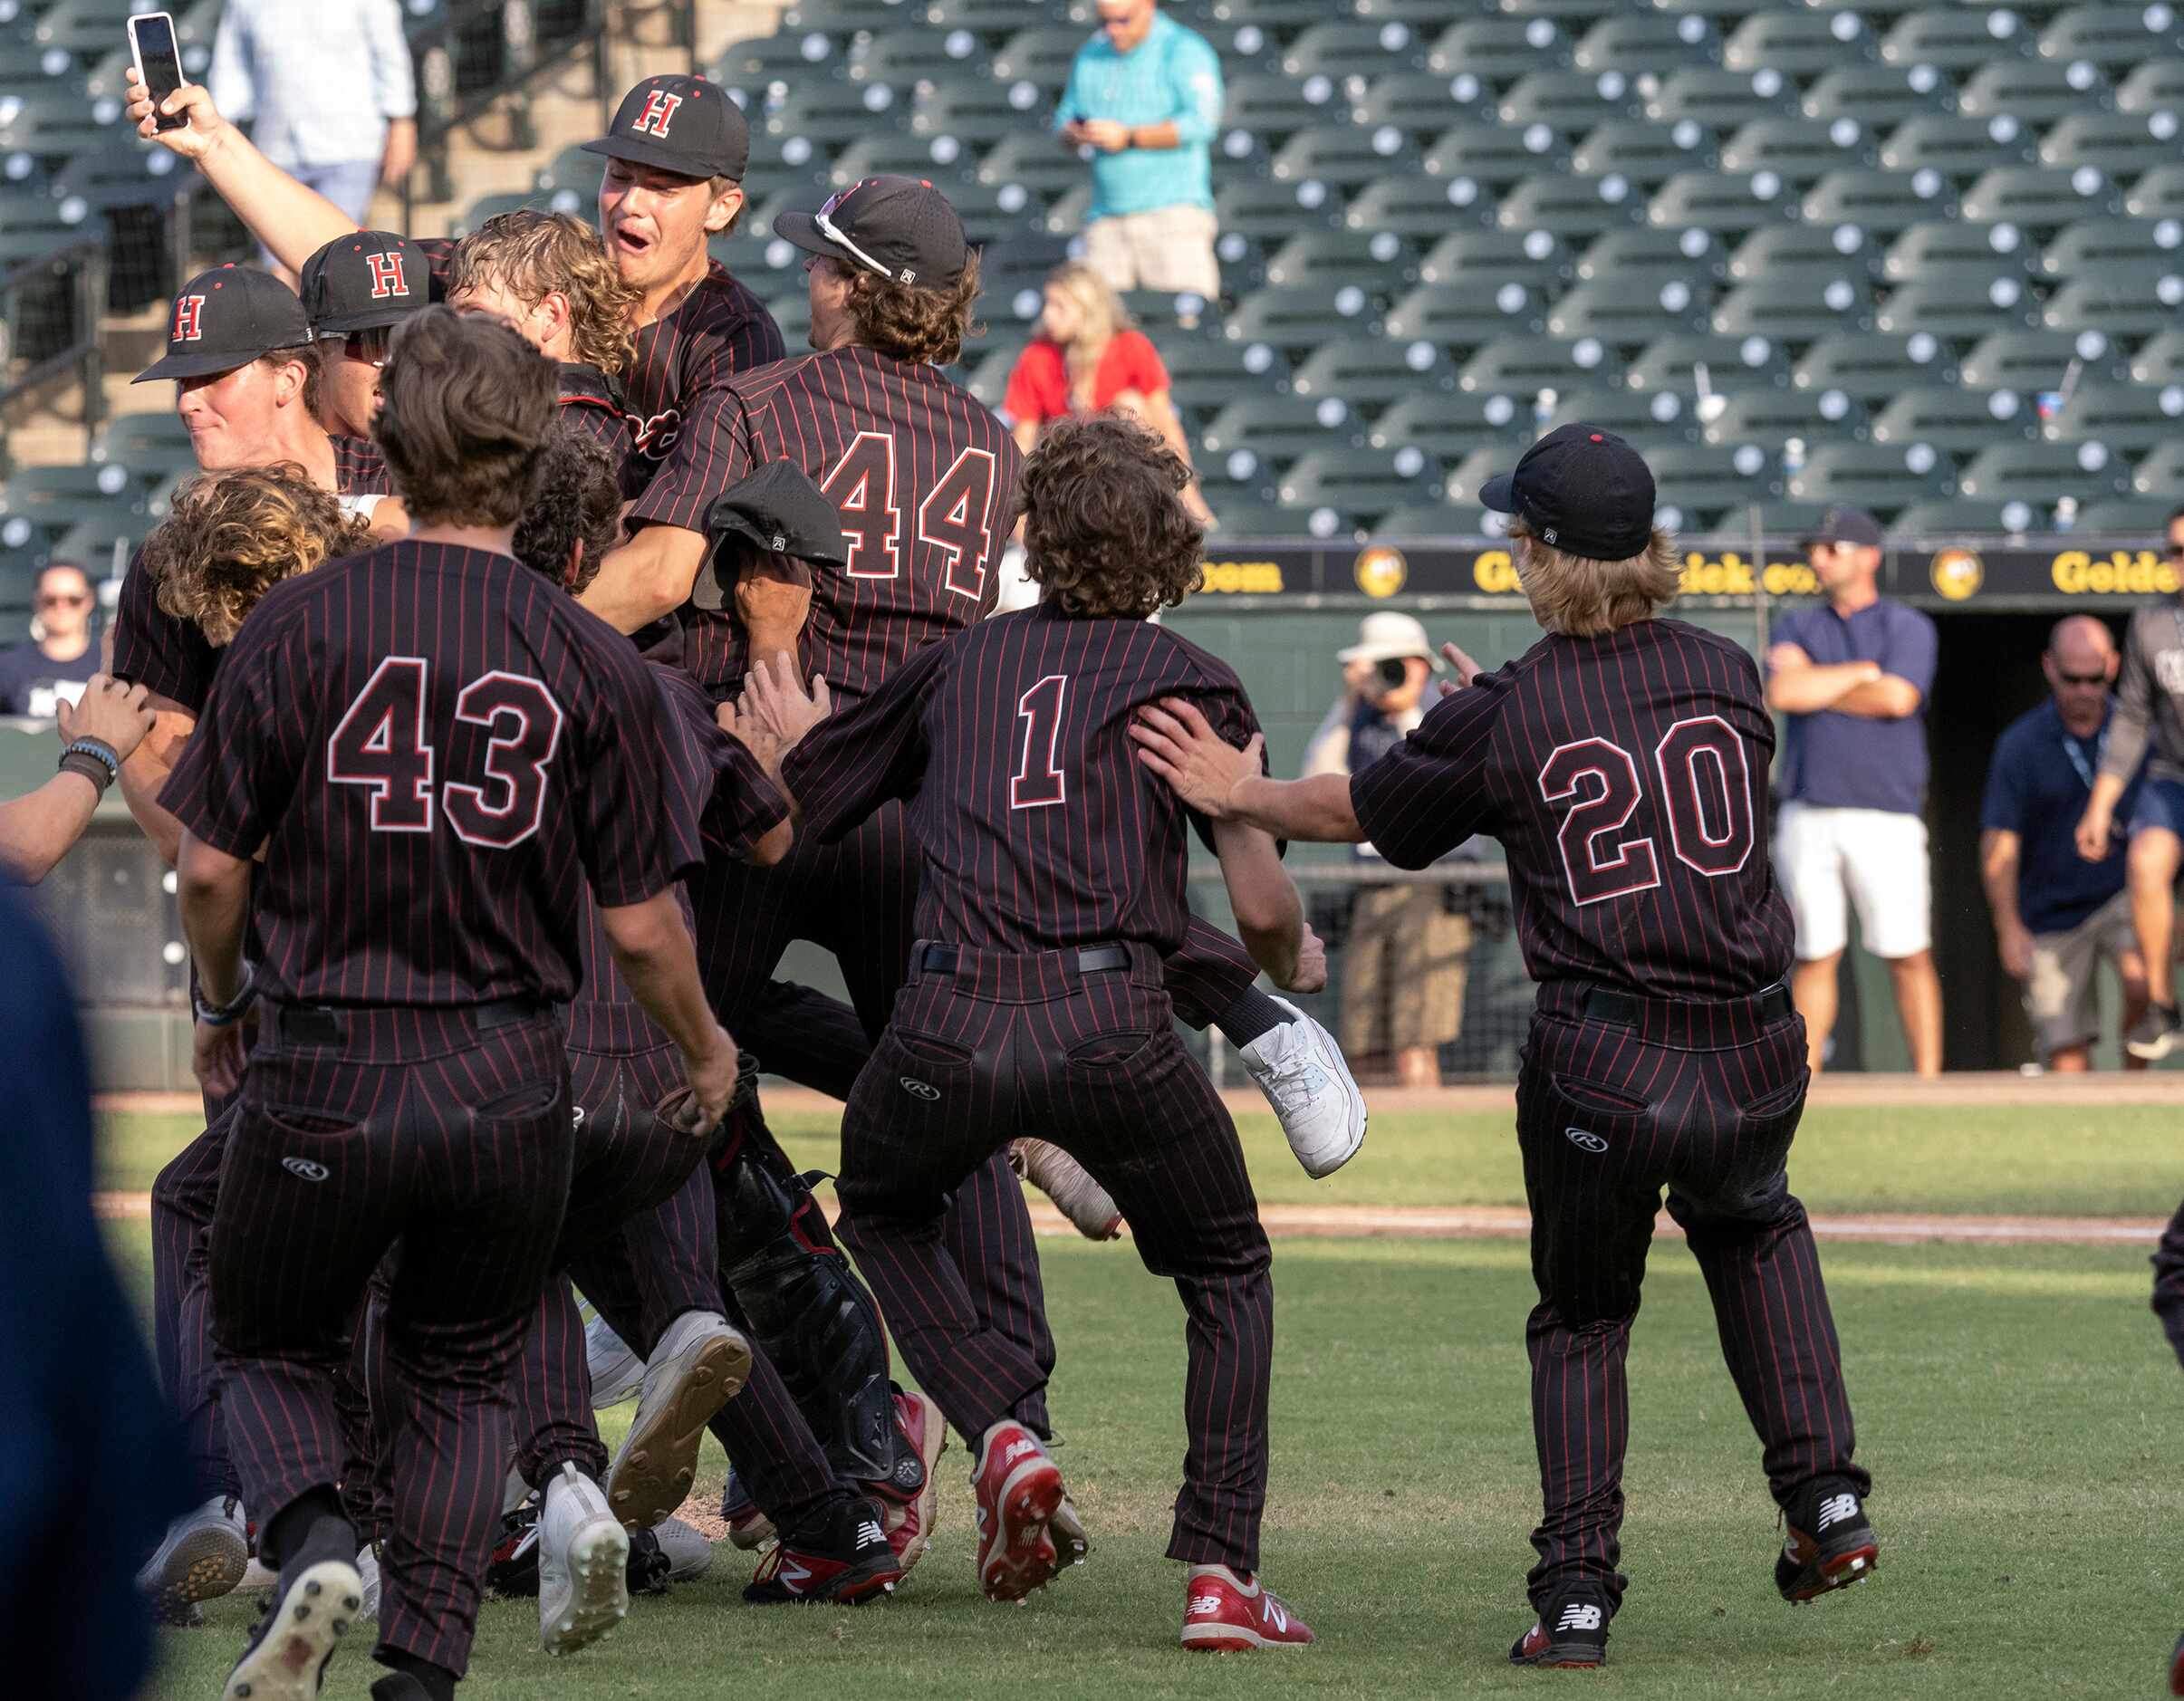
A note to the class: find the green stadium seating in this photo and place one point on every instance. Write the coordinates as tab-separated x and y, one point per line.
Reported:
1361	49
1417	13
905	57
2122	516
1573	206
1733	363
1571	14
2036	361
1720	99
2140	299
846	17
1725	203
987	375
1841	250
1522	367
2041	197
2121	144
2156	84
1426	522
1873	366
1966	516
1961	302
1499	49
1771	417
1573	101
1644	153
2159	360
1302	316
1696	250
1492	155
1276	17
1956	242
1464	315
829	116
1660	416
1462	484
2094	243
1452	425
1798	43
1882	477
2161	474
2129	418
1344	155
2033	91
2041	472
1042	55
2159	194
1364	482
1274	212
1883	203
1959	422
978	114
1033	163
1633	309
1799	306
1464	256
2116	38
491	206
1879	96
1248	516
1207	374
1419	207
1271	107
1656	41
1702	481
992	18
1277	430
1369	373
1958	39
1958	146
1380	265
1421	104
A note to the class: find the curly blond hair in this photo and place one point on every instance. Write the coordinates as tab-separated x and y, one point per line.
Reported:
231	537
532	254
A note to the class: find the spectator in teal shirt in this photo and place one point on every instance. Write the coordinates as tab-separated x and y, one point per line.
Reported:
1145	96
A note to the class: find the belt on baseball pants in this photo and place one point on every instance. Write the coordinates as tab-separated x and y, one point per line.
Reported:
1694	1023
328	1024
1090	959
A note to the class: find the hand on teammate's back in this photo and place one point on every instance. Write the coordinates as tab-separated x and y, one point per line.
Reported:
118	716
786	708
195	139
742	723
1176	742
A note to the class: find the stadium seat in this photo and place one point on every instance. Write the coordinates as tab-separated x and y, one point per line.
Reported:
1723	99
953	122
1275	17
1382	264
54	498
2040	197
1451	426
988	372
1365	482
1274	212
1882	204
793	312
1521	367
1494	155
1269	108
1574	207
1417	13
1959	147
1797	43
1696	250
1966	516
1956	420
1042	55
1732	363
493	206
2159	194
1464	256
2121	144
1463	315
1369	373
1702	481
2128	419
2033	91
128	175
1462	484
1957	39
1344	155
1419	207
1573	16
2036	361
1243	260
1871	367
1421	104
1428	522
1499	49
846	17
1956	242
150	448
2156	84
1033	163
1842	250
830	116
982	18
1658	415
1798	150
1798	306
1725	203
1246	515
1629	311
1771	417
2041	472
1249	441
1879	97
1573	101
2161	474
1361	49
2136	300
2114	37
2125	516
905	58
1962	302
1164	312
1878	477
1300	316
2159	360
1645	153
1654	42
2094	243
1207	374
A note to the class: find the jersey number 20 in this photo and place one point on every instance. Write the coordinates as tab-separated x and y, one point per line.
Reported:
1706	787
381	746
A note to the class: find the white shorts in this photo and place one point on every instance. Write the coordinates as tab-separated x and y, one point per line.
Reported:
1169	248
1877	856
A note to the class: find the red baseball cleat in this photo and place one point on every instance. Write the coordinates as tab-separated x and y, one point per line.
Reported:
1571	1630
909	1524
845	1561
1018	1491
1225	1612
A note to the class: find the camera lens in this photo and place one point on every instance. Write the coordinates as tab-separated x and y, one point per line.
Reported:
1393	671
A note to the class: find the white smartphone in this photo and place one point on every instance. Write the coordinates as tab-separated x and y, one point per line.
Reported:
151	42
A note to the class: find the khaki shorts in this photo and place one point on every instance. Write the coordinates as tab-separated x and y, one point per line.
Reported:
2062	997
1169	248
1403	971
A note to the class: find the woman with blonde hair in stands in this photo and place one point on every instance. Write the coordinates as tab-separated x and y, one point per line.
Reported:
1087	359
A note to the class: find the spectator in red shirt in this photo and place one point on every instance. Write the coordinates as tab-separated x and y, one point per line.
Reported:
1088	358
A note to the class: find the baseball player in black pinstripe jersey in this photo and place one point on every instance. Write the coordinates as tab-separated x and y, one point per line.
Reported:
393	730
1052	889
1622	762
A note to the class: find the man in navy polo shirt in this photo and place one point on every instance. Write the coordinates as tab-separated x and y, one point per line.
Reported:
1851	676
2056	915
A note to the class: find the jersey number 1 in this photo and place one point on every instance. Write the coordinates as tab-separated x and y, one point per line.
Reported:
1039	782
1706	785
381	746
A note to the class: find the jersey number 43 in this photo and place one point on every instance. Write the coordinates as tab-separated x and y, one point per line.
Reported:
381	746
1706	789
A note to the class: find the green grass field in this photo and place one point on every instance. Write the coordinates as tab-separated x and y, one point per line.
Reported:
2018	1407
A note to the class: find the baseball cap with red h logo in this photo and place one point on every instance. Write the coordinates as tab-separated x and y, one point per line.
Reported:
685	125
365	280
226	318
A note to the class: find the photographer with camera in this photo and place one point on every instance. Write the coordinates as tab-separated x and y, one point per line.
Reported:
1404	965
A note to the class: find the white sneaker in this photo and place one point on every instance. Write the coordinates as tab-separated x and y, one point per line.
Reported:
368	1568
1300	1069
688	1555
699	1365
583	1563
202	1558
617	1372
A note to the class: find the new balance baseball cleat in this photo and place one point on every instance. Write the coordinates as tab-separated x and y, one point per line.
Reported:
1572	1631
699	1365
301	1627
1228	1612
847	1561
748	1528
1300	1069
1067	1530
583	1565
1019	1490
1829	1543
909	1523
203	1556
1087	1204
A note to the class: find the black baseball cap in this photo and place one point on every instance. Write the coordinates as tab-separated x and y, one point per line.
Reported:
363	281
901	228
226	318
777	509
680	124
1847	525
1584	490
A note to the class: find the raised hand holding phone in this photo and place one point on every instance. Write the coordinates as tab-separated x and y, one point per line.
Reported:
159	63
